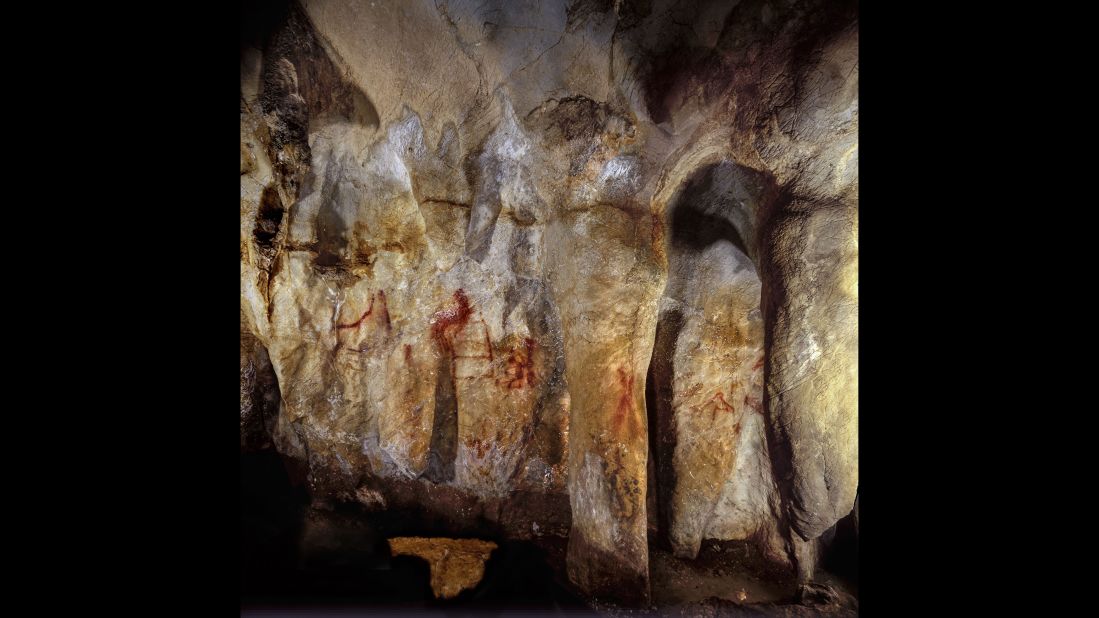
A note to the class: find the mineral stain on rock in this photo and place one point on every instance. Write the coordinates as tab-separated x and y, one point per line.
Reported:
519	372
456	564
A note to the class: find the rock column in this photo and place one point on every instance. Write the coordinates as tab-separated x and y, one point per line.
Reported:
607	279
811	311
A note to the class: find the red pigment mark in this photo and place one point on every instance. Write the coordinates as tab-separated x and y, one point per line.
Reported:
447	323
450	319
358	322
408	354
478	446
755	404
759	363
724	405
623	413
369	311
520	369
720	405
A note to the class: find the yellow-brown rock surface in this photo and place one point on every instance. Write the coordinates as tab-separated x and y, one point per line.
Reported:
456	564
474	235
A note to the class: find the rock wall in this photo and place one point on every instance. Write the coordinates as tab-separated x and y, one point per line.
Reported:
475	235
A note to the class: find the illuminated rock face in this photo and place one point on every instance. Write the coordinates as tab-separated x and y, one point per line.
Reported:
475	234
456	564
708	368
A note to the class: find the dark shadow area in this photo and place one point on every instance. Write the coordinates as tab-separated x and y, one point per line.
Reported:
258	19
293	556
662	435
270	523
443	449
840	556
305	560
269	218
723	201
695	230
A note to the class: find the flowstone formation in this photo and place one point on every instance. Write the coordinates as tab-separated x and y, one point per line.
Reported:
582	268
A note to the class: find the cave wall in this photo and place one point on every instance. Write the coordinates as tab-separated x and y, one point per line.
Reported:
473	234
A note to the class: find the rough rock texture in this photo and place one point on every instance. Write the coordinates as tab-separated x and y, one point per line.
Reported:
475	235
259	394
812	389
708	367
456	564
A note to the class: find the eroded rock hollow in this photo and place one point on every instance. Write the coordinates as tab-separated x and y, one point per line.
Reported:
581	269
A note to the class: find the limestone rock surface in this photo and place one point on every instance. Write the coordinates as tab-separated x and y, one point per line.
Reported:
502	259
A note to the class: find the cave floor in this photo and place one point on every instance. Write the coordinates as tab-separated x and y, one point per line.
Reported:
722	570
726	580
296	560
